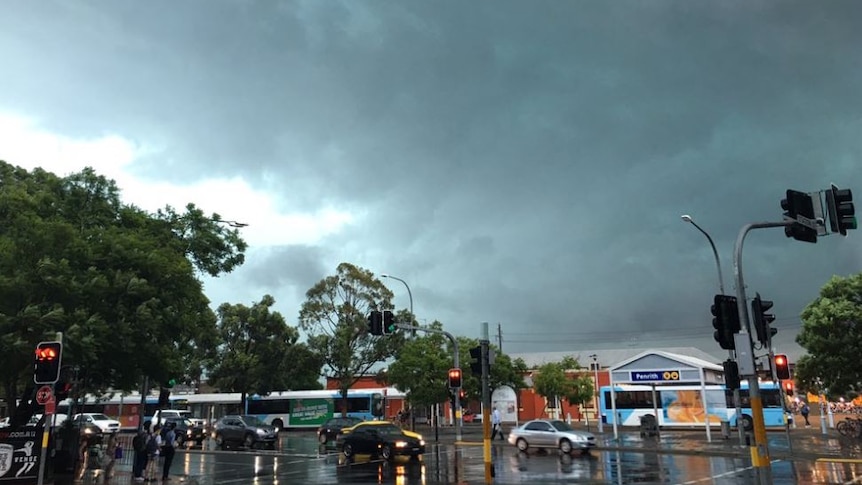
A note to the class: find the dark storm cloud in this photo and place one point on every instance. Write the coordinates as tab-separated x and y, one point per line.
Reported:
520	162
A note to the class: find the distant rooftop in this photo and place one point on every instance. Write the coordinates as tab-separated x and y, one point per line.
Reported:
608	357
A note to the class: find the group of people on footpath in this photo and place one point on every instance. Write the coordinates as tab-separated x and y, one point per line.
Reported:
149	447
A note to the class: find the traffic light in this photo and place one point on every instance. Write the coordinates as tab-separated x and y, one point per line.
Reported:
788	388
46	369
171	383
759	307
799	205
782	367
842	214
375	323
731	374
389	325
476	360
725	320
455	378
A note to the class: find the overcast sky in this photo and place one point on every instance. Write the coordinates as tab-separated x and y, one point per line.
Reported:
518	163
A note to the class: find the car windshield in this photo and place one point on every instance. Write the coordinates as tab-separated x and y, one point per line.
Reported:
561	426
253	421
99	417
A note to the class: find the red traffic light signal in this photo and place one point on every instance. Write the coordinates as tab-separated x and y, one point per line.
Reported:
455	378
782	367
46	368
788	388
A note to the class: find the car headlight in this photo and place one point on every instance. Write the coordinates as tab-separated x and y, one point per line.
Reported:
400	444
260	431
579	438
188	432
421	442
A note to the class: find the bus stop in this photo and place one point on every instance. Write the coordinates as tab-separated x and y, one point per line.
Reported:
663	369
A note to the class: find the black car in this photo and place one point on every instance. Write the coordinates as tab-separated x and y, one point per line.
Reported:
380	439
185	430
329	430
244	430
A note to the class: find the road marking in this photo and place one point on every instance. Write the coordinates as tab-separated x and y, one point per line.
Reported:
840	460
721	475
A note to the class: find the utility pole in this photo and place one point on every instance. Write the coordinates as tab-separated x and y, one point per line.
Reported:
499	337
744	345
486	406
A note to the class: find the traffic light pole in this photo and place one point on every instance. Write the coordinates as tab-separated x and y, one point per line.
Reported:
455	361
760	450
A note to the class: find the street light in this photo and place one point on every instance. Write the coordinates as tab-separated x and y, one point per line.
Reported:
598	408
687	218
384	275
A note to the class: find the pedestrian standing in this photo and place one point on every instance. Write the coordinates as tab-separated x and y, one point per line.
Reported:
139	444
805	411
168	449
154	443
496	424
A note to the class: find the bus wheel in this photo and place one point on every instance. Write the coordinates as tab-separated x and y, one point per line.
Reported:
746	422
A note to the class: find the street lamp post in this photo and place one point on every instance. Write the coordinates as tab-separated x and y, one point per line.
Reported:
731	354
598	408
409	293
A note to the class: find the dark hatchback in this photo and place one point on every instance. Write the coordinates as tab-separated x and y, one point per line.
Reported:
329	430
244	430
380	439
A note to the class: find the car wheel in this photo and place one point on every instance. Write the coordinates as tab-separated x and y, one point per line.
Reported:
565	446
386	452
746	422
347	450
322	439
248	442
220	441
522	444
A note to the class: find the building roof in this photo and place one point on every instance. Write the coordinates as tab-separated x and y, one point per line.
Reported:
683	359
611	357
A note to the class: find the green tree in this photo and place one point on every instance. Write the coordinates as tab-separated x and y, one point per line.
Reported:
258	350
421	366
552	381
335	318
113	278
832	335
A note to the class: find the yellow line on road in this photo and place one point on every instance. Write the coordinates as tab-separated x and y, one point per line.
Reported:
839	460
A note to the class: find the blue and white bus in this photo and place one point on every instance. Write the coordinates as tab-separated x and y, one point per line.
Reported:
292	409
682	405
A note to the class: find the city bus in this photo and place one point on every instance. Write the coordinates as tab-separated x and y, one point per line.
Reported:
292	409
682	405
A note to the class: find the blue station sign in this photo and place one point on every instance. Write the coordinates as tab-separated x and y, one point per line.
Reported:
654	376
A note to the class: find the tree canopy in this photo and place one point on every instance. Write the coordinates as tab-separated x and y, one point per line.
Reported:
335	318
114	279
259	353
551	380
420	368
832	335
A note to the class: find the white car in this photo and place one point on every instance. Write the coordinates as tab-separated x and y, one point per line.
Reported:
551	433
106	424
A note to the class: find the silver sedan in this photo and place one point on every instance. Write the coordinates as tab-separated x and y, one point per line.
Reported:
548	433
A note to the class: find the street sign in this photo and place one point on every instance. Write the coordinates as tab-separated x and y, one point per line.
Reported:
44	394
653	376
